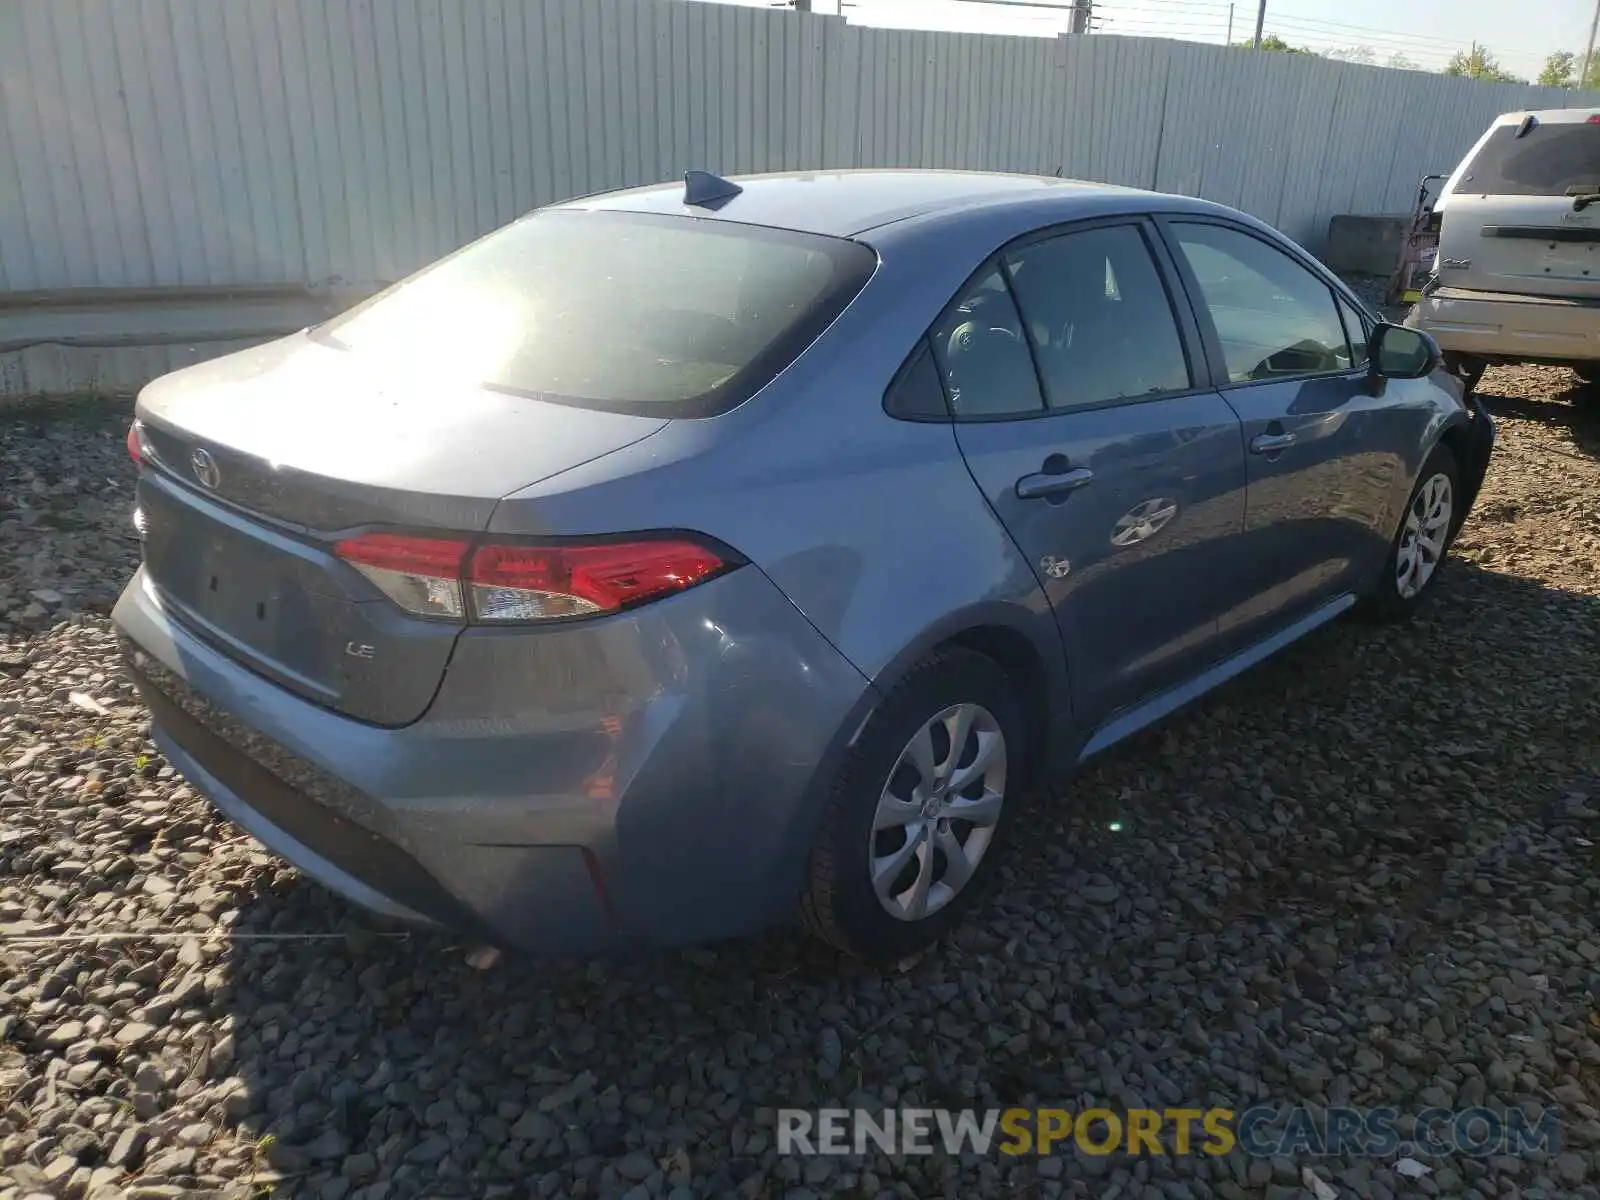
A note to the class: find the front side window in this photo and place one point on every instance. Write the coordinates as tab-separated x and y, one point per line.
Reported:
1099	317
628	312
980	350
1355	327
1275	319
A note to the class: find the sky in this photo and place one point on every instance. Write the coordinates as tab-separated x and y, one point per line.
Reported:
1426	32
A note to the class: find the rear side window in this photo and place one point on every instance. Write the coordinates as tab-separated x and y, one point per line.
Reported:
661	315
916	393
981	353
1099	317
1548	160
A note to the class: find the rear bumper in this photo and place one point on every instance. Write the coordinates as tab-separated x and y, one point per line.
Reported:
1496	325
651	778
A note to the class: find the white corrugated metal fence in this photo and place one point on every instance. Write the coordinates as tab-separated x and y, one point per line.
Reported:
149	143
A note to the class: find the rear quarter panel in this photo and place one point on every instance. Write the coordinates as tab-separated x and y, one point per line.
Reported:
873	527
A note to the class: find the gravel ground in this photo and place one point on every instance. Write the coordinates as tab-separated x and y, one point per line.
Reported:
1364	874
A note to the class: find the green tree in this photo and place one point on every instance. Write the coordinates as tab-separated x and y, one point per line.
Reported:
1275	43
1401	63
1560	69
1364	55
1478	63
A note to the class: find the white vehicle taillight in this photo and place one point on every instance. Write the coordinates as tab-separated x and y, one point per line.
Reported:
505	583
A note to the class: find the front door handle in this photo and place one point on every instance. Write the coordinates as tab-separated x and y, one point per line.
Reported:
1043	484
1271	443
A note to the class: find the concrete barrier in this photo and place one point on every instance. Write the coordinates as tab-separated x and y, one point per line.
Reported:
1369	245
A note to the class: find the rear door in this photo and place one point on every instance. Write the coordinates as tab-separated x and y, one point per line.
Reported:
1517	217
1323	454
1117	472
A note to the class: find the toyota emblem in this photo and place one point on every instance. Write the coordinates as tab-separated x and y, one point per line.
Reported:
205	468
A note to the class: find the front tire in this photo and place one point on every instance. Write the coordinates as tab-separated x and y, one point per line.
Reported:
909	834
1427	529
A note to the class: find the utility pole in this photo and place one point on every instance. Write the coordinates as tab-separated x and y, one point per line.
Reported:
1261	19
1230	24
1081	10
1588	55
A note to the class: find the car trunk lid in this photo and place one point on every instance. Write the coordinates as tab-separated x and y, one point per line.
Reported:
258	462
1532	245
1518	215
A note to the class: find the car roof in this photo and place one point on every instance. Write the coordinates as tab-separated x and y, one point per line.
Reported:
1549	116
848	203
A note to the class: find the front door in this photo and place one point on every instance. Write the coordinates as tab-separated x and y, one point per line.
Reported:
1324	454
1121	482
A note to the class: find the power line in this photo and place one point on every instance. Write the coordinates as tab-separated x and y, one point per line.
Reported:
1440	54
1321	44
1391	35
1155	19
1146	5
1060	6
1163	30
1125	23
1134	17
1293	20
1377	42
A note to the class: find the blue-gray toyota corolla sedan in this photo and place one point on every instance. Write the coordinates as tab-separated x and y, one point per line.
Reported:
678	561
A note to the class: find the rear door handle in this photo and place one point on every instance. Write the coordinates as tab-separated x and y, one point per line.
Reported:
1041	485
1271	443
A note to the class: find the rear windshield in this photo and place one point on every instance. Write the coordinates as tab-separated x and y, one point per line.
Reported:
1548	160
642	313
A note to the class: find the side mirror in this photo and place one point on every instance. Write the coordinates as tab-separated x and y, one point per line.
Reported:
1400	352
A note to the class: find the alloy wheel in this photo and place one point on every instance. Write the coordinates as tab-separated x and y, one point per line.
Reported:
937	812
1422	541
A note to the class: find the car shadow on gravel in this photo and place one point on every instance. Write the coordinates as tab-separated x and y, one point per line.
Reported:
1349	843
1573	409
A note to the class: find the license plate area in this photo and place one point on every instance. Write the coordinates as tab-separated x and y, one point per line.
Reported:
247	588
232	588
1570	260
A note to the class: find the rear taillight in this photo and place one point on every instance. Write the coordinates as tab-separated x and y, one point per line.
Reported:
421	575
540	583
505	583
136	442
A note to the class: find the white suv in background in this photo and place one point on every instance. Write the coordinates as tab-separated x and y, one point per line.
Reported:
1517	278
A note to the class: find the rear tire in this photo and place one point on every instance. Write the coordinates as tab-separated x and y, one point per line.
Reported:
1428	526
884	879
1587	395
